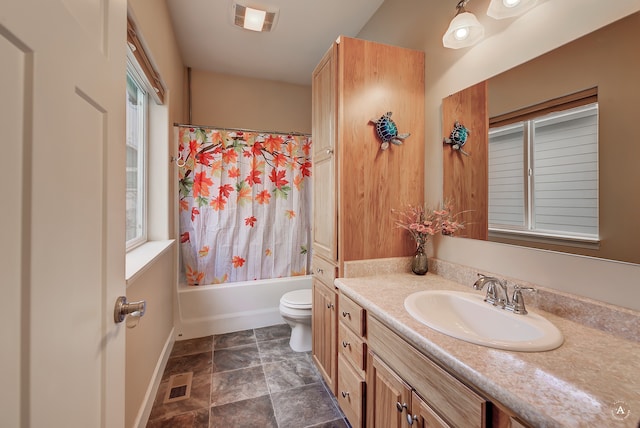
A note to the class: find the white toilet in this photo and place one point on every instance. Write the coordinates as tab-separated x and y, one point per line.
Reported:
295	308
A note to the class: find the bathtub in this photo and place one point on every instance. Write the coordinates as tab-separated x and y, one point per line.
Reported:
224	308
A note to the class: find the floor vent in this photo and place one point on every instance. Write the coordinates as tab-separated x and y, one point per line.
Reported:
179	387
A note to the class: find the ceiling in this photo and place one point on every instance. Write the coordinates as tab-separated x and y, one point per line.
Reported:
304	32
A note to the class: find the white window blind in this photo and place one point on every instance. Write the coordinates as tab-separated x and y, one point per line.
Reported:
543	174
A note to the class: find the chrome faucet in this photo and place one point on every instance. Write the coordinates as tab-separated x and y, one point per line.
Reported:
497	286
492	292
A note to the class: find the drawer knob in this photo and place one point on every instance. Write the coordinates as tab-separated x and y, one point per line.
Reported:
329	305
345	394
401	407
346	314
320	271
345	344
411	419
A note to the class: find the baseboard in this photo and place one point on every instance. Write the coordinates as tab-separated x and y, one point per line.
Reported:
147	404
229	323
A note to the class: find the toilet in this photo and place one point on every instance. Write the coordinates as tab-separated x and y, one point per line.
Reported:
295	308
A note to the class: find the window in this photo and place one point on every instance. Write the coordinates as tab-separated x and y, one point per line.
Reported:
543	174
137	123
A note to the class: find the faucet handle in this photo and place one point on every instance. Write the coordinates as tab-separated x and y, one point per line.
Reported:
517	301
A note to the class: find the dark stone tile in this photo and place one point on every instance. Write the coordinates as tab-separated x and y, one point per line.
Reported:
338	423
276	350
229	340
198	399
238	385
199	364
279	331
239	357
255	412
194	419
310	403
192	346
290	373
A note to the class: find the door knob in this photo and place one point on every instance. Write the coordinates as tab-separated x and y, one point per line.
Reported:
123	308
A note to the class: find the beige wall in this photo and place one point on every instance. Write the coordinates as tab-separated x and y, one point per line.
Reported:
240	102
546	27
157	283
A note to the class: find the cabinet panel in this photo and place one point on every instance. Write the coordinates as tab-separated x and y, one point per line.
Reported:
388	396
423	415
324	336
352	315
324	271
350	392
351	347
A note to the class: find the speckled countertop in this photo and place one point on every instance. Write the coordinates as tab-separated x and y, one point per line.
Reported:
580	384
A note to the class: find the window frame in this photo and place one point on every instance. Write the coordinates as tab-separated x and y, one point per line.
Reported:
134	71
525	119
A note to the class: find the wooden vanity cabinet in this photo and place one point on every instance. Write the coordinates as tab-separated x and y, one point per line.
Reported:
324	321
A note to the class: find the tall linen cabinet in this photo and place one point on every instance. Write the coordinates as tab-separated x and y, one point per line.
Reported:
356	184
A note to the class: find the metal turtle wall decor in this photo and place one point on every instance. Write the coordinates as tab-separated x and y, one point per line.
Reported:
458	137
388	131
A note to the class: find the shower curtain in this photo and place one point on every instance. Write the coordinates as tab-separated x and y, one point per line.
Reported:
245	204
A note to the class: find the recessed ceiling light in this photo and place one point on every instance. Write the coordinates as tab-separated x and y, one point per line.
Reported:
254	18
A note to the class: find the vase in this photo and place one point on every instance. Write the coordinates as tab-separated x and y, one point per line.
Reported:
419	264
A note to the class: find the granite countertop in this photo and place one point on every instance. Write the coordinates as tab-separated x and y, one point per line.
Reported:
579	384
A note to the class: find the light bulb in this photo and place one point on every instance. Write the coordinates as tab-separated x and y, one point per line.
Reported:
510	3
461	33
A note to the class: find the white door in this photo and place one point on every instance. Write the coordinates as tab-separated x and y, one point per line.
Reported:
62	101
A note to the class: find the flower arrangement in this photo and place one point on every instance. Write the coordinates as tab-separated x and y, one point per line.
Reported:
422	222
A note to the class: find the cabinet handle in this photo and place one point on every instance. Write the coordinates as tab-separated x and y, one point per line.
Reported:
329	305
345	394
411	419
401	407
346	314
345	344
329	151
320	271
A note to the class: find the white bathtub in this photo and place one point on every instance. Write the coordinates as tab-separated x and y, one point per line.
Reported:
215	309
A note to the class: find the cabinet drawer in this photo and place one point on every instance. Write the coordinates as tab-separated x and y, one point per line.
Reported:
324	271
351	314
351	347
350	392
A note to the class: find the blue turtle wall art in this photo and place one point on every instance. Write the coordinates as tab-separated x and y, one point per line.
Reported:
458	137
388	131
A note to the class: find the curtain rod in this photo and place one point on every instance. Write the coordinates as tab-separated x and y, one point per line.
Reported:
297	134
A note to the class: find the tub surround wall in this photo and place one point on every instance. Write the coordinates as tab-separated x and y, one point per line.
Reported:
577	384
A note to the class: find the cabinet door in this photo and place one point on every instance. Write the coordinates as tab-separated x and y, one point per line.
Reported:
324	160
423	416
388	396
324	332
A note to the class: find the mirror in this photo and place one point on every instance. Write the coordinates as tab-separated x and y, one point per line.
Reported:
607	59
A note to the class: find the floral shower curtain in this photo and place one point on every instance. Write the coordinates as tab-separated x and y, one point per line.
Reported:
245	205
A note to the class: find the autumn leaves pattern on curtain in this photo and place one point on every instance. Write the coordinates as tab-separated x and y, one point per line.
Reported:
245	205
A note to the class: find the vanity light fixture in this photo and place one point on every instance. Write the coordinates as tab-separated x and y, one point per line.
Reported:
253	18
501	9
464	29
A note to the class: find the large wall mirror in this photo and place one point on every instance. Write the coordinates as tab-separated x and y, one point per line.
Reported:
601	67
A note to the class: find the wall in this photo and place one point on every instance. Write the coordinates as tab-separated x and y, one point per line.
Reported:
241	102
148	343
542	29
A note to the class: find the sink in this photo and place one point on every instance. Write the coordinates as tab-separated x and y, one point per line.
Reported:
466	316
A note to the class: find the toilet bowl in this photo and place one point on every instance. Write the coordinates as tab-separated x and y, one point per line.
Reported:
295	309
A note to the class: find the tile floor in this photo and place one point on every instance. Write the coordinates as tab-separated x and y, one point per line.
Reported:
250	378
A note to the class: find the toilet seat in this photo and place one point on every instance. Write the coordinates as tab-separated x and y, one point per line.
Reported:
297	299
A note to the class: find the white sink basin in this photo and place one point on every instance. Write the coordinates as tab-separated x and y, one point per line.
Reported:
466	316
